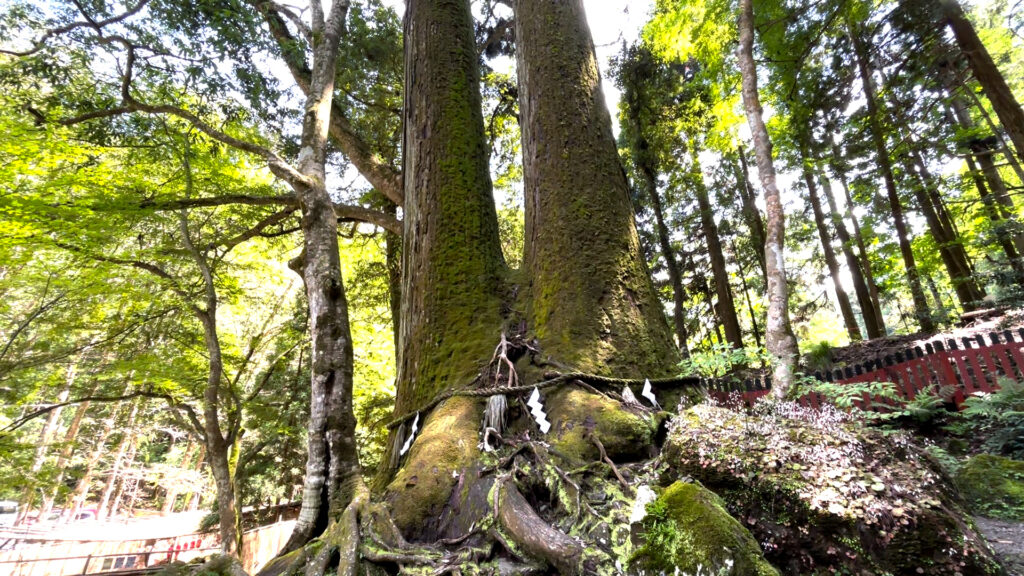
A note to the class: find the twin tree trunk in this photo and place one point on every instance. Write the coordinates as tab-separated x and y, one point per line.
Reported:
779	339
587	298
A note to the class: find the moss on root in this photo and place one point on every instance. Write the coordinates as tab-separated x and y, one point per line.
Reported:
688	531
575	414
445	447
993	486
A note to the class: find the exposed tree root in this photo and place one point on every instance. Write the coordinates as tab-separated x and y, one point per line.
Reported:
530	531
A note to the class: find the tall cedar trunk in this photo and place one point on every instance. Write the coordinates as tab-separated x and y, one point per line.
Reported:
951	250
779	339
1010	114
452	265
725	306
43	442
1004	147
393	261
332	466
593	304
81	491
858	234
70	440
852	329
860	285
921	311
675	277
127	436
751	214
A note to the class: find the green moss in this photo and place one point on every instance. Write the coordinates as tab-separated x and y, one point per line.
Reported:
575	413
445	447
993	486
688	529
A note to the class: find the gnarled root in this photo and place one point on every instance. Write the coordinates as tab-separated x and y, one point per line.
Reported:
537	538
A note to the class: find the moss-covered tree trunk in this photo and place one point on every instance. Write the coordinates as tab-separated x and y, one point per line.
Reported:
452	265
592	302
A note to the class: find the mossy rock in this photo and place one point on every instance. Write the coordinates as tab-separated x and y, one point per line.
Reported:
688	531
824	494
993	486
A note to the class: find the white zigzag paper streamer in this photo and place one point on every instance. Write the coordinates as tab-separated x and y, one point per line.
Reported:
412	435
648	393
628	397
537	409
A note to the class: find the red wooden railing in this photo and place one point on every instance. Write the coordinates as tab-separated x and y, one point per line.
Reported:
954	370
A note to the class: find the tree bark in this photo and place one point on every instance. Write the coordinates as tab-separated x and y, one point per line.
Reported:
779	339
596	311
675	277
751	213
726	306
845	309
70	440
860	285
332	467
1009	111
863	257
452	265
127	436
921	311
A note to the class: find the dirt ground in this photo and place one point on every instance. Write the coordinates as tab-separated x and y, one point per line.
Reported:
1007	539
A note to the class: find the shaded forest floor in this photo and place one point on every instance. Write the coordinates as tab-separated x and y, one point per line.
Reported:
1007	539
859	352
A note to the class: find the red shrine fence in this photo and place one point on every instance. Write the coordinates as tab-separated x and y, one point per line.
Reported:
954	370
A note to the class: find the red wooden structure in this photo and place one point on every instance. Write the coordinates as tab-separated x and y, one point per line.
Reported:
953	370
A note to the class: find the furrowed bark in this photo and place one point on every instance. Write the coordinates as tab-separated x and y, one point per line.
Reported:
598	311
779	337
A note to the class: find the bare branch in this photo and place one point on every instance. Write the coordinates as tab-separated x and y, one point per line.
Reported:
40	43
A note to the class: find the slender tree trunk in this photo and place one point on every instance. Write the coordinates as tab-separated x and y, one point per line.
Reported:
726	307
1004	147
985	71
779	338
127	436
671	264
852	329
333	473
752	215
860	285
81	492
921	311
858	235
172	491
746	294
70	440
950	246
43	442
1007	210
